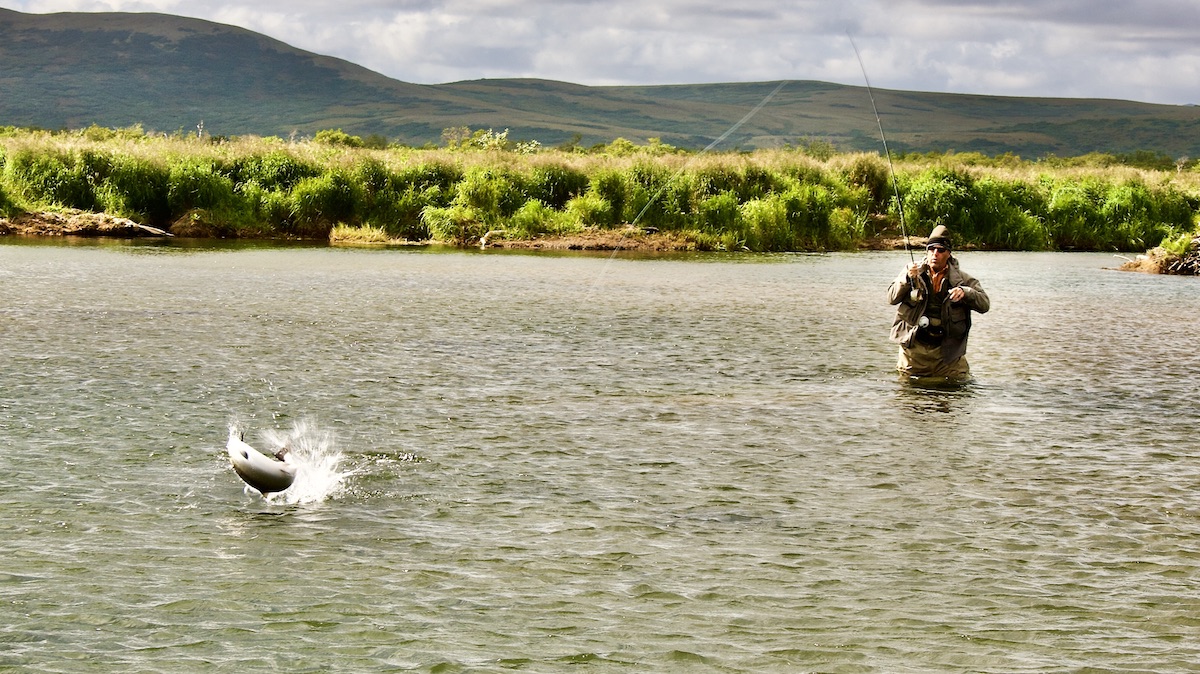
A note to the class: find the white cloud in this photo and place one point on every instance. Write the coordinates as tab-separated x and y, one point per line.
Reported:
1142	50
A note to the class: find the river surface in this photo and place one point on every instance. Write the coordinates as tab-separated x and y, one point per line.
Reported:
531	462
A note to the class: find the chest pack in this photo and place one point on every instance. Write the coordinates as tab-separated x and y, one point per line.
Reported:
929	327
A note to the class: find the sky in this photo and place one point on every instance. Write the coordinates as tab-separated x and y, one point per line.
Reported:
1141	50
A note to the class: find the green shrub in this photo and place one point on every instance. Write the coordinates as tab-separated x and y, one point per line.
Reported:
871	173
758	181
1003	216
847	227
1174	208
424	176
746	183
804	170
378	194
809	210
270	209
719	213
1179	245
536	219
1141	218
609	185
276	170
197	183
410	203
1073	215
590	210
656	197
136	188
765	224
337	137
320	202
678	203
776	200
494	193
97	133
8	206
643	181
50	178
995	213
457	224
373	177
717	178
943	196
554	185
805	217
375	141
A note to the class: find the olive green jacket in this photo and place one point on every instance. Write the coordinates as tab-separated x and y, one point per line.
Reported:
956	316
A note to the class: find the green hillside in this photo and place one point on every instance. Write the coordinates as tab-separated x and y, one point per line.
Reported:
169	73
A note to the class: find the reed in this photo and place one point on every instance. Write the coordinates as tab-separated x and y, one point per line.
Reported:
361	235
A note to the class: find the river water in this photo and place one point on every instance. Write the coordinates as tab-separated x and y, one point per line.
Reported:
554	462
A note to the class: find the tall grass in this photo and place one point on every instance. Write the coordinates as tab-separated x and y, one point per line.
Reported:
769	200
54	177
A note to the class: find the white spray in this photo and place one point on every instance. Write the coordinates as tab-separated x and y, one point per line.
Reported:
314	454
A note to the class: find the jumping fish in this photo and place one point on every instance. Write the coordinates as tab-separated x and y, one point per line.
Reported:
266	474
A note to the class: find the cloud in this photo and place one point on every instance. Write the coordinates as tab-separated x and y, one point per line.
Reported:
1142	50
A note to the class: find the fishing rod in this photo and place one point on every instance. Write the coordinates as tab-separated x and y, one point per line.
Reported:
886	152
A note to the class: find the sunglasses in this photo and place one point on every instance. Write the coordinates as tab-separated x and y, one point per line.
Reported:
937	249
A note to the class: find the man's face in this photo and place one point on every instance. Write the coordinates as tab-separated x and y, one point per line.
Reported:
938	256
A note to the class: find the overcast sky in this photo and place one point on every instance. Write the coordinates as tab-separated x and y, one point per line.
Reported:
1143	50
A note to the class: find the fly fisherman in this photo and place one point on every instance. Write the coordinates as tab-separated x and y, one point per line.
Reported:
934	300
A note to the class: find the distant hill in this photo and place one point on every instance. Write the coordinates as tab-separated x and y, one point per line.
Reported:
169	73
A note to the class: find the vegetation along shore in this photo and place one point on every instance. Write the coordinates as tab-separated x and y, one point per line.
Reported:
480	189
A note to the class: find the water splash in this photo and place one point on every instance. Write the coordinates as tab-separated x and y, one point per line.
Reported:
319	476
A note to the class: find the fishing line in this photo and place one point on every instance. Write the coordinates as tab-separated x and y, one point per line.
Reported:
754	111
886	152
682	168
598	278
718	141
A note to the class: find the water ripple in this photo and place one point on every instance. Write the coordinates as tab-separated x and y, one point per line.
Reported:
634	465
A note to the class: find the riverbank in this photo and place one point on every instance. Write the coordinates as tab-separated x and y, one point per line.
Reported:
779	200
81	223
634	239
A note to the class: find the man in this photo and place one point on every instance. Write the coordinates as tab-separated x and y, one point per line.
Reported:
934	300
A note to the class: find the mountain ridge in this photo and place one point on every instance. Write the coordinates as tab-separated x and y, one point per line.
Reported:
168	73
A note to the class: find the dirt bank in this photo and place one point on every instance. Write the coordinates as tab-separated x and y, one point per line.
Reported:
81	223
1158	261
76	223
630	238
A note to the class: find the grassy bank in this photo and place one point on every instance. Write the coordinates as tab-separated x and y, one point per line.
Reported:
482	186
